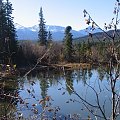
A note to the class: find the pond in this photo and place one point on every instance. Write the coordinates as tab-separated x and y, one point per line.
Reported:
58	94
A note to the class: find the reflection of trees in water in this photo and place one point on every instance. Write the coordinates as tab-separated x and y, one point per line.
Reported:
50	76
90	73
79	75
54	77
83	75
44	85
103	72
47	79
69	81
8	101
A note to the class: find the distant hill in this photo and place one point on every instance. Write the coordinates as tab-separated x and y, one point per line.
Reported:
31	33
98	36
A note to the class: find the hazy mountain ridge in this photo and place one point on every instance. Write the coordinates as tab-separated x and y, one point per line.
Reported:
31	33
99	36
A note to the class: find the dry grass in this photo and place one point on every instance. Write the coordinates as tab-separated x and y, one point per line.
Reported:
73	65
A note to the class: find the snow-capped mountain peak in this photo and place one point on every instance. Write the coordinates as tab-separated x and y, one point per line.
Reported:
31	33
52	28
34	28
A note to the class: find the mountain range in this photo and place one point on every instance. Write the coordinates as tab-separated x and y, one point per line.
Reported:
31	33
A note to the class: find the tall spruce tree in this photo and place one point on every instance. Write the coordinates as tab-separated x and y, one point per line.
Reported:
8	38
3	23
68	47
49	38
42	34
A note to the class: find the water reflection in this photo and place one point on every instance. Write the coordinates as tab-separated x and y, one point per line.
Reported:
69	81
44	85
54	89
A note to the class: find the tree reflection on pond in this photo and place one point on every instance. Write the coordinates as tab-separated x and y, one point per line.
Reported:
51	94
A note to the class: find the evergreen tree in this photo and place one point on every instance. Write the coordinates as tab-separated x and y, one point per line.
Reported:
42	34
83	50
3	23
49	38
68	47
7	33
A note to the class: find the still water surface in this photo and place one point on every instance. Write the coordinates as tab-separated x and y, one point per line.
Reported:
48	94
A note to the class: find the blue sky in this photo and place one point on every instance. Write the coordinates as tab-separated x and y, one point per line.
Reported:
62	12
